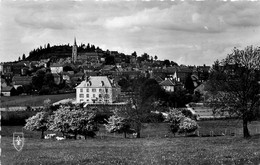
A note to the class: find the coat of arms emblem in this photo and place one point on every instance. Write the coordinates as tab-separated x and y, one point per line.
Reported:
18	140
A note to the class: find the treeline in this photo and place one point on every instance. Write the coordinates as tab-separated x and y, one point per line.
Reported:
57	51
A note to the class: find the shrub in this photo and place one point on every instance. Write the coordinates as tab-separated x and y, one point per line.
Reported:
180	123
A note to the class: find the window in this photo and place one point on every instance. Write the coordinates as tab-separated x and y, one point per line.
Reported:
106	90
94	95
87	95
81	95
87	90
81	90
94	90
81	100
99	96
100	90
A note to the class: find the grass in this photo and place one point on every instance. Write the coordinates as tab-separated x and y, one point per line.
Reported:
113	149
32	100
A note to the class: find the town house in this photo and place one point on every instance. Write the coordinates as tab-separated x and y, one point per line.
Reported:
97	90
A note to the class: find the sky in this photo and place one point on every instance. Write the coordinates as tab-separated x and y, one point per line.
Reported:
187	32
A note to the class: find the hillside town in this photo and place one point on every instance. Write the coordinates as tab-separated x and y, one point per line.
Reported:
130	82
68	74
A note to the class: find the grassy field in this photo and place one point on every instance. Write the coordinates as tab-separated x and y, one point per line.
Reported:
153	148
32	100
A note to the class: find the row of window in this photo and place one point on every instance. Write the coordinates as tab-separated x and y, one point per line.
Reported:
94	90
94	95
82	100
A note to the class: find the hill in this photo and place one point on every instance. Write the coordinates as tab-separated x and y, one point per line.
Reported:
58	51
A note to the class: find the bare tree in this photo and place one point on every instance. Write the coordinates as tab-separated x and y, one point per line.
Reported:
234	85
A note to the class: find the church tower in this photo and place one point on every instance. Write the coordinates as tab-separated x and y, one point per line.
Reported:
74	51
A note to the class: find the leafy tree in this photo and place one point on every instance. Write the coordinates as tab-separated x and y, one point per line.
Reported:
145	56
110	60
155	57
27	89
166	63
49	80
124	84
234	86
141	102
19	59
118	124
38	122
134	54
23	58
189	84
19	90
37	81
73	120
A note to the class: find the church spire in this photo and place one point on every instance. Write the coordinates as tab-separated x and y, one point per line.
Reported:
75	43
74	51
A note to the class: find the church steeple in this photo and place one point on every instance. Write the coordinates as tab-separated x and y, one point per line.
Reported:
74	51
75	43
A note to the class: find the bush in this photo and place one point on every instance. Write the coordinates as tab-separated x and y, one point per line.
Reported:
180	123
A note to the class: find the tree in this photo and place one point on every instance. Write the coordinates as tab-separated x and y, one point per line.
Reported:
118	124
140	103
38	122
74	120
23	58
134	54
167	63
155	57
37	81
19	59
110	60
19	90
189	84
234	86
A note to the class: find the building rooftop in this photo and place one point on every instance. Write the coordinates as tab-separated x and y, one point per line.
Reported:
96	82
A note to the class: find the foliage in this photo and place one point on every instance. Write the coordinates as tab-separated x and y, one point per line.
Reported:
73	120
189	84
39	122
181	123
233	85
15	117
188	125
119	125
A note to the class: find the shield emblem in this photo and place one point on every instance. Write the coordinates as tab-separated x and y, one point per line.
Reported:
18	140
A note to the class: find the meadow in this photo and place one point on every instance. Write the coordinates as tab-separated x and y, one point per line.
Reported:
156	146
32	100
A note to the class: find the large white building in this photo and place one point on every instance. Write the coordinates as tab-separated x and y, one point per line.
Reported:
97	90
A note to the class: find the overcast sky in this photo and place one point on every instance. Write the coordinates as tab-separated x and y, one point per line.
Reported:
191	33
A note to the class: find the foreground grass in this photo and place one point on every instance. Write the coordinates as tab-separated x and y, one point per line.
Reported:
152	148
32	100
180	150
